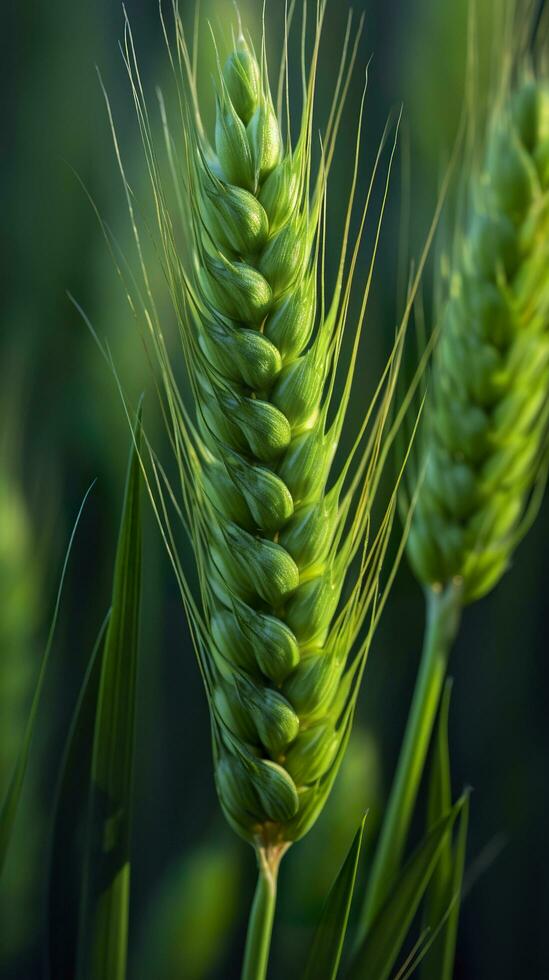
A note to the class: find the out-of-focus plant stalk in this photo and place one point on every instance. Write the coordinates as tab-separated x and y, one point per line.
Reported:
443	617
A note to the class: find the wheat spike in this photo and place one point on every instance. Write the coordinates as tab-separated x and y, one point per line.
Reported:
288	561
489	403
274	572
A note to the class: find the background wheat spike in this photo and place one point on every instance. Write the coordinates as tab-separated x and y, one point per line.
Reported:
488	414
482	469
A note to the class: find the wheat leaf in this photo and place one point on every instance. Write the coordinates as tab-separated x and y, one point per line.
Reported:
438	893
376	955
327	946
451	927
68	823
10	804
102	940
448	921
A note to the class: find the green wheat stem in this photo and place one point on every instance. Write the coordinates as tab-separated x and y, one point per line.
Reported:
443	616
260	922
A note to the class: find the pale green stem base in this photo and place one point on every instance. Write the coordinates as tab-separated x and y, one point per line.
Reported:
443	615
260	923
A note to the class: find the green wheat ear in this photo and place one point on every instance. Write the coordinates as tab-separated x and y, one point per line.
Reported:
288	559
270	533
489	405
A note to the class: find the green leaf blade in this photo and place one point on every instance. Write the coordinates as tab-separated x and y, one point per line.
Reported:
441	911
448	922
103	931
8	811
70	805
440	789
378	952
327	946
439	804
451	928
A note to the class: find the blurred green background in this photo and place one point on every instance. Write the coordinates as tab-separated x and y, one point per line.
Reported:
62	425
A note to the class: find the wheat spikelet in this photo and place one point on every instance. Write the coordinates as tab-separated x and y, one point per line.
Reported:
488	412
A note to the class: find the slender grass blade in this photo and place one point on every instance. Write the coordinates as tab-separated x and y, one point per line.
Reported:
69	824
451	926
102	941
327	947
439	891
376	956
448	921
10	804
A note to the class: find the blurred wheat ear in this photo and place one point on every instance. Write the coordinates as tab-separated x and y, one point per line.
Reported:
482	468
486	441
